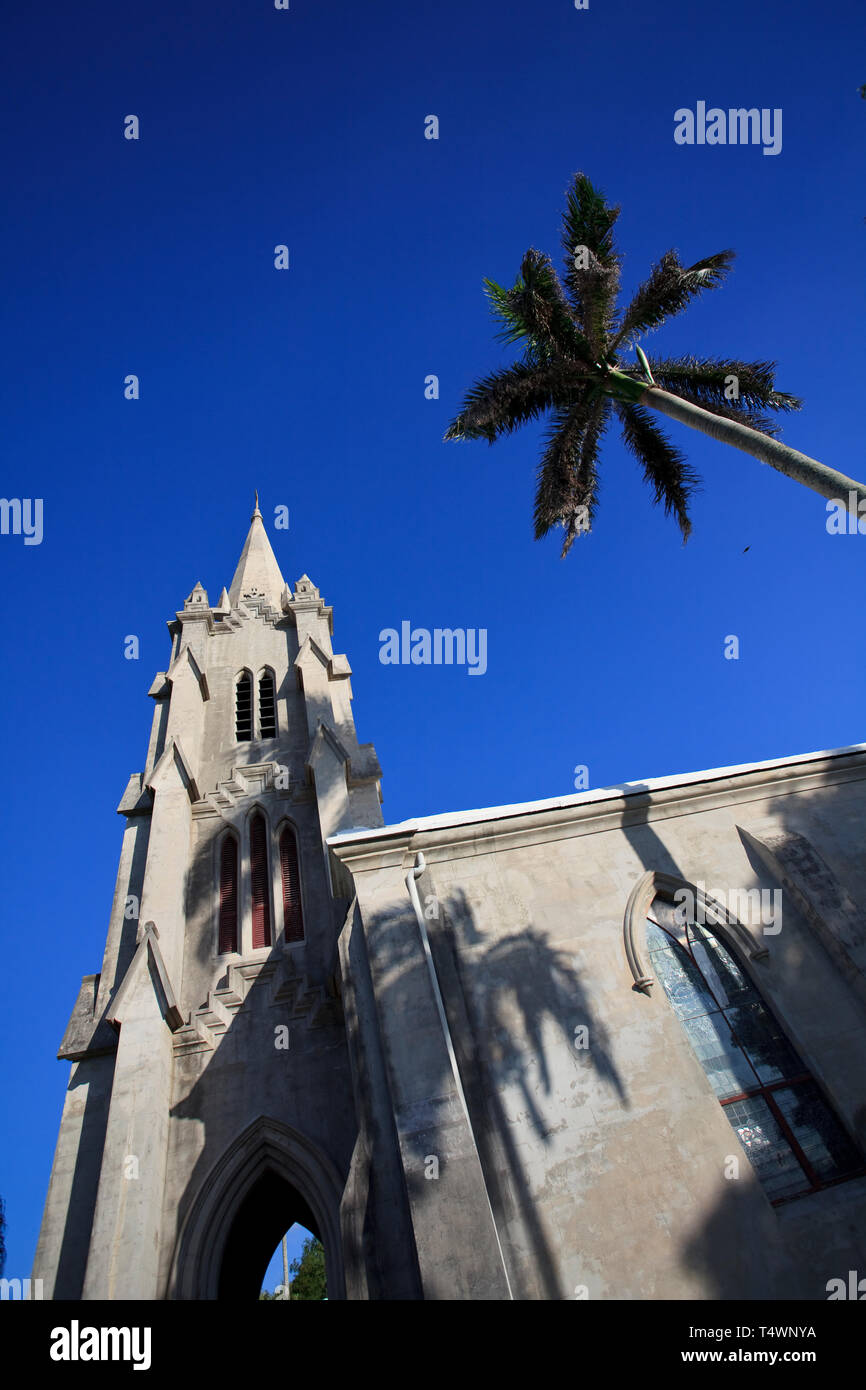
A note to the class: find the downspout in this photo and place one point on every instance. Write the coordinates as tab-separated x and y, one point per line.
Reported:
411	883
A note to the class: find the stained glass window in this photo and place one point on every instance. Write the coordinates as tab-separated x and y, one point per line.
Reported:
789	1132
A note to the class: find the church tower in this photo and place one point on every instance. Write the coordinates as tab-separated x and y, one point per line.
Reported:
211	1097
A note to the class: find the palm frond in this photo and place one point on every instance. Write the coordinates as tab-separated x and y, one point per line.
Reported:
669	289
513	327
710	382
505	400
665	468
592	266
567	473
536	311
584	498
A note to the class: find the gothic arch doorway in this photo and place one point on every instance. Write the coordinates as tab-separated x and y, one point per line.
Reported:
268	1178
269	1209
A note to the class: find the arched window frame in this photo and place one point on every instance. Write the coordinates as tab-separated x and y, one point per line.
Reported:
741	946
242	838
655	884
265	1144
288	826
262	722
229	837
244	675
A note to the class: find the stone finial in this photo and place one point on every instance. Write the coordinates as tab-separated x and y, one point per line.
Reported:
197	599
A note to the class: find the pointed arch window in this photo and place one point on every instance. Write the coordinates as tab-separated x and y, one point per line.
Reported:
260	890
244	707
267	706
293	919
788	1131
228	910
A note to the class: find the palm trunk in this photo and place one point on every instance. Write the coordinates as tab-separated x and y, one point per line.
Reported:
827	481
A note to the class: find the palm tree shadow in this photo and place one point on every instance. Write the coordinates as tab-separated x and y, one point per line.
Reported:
513	1006
512	1009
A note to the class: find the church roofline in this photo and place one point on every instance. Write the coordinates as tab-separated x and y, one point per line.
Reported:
706	782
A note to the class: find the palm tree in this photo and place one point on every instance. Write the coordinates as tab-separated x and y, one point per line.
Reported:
572	366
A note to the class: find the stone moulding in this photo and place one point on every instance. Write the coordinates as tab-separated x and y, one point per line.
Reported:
289	990
835	918
655	884
246	781
148	943
265	1145
87	1035
486	830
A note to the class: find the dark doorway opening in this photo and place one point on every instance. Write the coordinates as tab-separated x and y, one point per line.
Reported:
265	1214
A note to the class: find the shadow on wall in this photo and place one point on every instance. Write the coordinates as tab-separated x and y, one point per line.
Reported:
501	1000
512	1008
778	1253
519	1007
267	1154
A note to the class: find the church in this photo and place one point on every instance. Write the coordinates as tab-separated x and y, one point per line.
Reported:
609	1046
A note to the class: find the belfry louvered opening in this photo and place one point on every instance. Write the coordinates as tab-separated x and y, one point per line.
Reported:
267	706
261	898
228	914
244	707
293	917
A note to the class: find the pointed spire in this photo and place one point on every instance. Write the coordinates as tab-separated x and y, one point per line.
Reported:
258	574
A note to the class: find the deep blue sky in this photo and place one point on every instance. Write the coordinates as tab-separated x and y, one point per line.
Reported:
306	127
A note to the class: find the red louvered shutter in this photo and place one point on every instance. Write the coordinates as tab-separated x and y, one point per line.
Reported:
292	914
228	925
259	875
